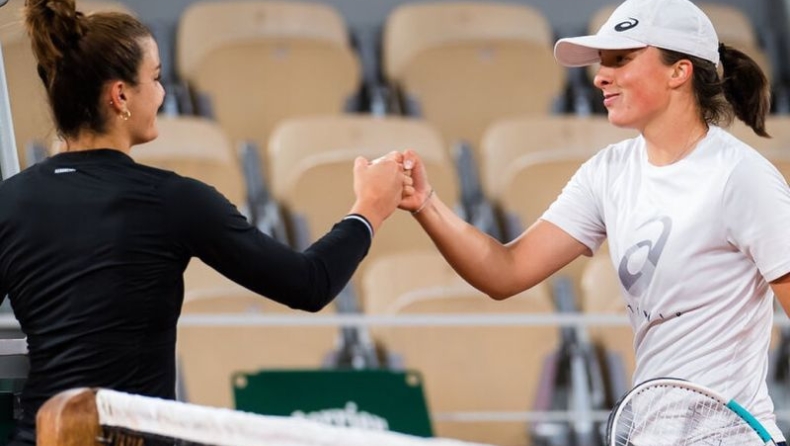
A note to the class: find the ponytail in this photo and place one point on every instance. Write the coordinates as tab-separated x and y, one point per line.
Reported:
746	88
743	90
55	28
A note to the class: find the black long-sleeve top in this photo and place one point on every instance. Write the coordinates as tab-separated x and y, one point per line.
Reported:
92	252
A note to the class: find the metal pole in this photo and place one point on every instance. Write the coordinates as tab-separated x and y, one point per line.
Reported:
9	161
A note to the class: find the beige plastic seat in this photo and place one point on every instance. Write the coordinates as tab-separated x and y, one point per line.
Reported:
265	61
29	104
470	63
312	171
733	27
210	355
197	148
508	139
465	368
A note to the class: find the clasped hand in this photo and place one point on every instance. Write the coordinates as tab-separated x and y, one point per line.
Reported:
395	180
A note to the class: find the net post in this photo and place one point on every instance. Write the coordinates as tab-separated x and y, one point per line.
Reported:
70	418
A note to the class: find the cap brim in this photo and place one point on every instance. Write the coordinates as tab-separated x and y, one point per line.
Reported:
583	51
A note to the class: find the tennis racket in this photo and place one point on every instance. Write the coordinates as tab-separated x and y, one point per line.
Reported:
674	412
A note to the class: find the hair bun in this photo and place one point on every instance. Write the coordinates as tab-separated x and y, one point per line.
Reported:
55	27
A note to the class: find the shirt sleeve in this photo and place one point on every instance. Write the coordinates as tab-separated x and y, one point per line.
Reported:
577	210
756	204
208	226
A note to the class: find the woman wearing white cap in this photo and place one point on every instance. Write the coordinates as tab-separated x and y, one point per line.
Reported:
696	220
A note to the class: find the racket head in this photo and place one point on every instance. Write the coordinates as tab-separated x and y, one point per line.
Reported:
675	412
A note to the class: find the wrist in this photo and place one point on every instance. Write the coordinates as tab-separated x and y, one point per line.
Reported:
424	203
368	213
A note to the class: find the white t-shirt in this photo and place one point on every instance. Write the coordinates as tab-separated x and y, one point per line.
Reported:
695	244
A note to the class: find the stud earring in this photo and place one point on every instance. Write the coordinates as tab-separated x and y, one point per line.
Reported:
125	115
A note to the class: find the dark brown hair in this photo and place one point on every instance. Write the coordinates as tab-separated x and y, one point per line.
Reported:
78	54
742	91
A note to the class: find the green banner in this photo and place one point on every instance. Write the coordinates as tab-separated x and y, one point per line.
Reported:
371	399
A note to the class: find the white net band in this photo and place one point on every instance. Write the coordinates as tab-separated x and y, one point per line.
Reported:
224	427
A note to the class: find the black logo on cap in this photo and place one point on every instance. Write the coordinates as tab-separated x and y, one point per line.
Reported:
628	24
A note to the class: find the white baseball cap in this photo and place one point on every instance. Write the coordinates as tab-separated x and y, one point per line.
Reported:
676	25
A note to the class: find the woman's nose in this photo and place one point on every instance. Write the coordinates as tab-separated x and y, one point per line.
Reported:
603	77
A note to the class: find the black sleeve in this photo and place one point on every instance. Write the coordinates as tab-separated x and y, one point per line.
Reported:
208	226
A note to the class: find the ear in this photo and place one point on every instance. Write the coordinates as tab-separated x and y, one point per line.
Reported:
116	95
682	72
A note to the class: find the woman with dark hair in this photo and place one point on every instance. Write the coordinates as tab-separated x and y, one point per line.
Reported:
93	246
696	220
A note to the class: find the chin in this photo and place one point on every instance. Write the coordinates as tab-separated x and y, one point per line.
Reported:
150	136
618	121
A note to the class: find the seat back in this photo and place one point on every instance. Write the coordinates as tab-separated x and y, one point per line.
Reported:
465	368
468	64
232	21
411	28
197	148
266	61
508	139
209	356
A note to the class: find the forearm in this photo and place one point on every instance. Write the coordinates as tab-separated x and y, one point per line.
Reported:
478	258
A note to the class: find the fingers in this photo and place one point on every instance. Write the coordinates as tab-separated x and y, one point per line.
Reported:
391	156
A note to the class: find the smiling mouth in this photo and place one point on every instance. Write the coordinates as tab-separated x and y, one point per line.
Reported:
609	98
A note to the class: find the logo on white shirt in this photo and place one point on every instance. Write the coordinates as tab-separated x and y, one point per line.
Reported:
637	282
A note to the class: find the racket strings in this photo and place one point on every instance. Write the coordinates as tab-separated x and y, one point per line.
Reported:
668	416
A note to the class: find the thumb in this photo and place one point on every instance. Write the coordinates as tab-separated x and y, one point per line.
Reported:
409	158
360	163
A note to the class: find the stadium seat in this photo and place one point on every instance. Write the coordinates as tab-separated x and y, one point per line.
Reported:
312	166
462	65
507	139
29	105
209	355
198	148
265	61
466	368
